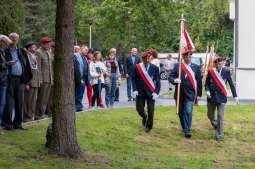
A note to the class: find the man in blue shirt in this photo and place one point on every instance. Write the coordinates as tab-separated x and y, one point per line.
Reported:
19	76
85	76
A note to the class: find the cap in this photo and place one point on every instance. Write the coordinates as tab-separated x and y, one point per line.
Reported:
218	59
52	44
6	39
27	45
147	53
45	40
187	52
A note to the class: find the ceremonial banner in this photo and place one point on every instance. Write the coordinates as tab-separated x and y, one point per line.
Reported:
186	40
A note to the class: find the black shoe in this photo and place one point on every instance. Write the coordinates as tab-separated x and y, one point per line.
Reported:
116	100
147	130
129	99
144	121
134	99
187	135
20	128
215	127
170	89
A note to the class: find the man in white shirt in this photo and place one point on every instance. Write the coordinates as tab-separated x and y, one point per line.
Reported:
169	65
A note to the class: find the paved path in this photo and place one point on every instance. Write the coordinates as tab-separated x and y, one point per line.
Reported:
159	102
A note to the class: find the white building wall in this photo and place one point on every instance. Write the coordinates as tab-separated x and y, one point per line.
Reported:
245	70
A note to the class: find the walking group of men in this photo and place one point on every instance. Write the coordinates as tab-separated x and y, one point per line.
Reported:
24	72
146	85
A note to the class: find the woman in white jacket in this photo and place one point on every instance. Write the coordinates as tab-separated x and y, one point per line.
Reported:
97	72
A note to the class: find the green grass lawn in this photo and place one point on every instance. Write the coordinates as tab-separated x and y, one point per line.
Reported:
115	138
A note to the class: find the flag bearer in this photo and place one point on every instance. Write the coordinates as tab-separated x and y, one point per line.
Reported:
216	91
191	86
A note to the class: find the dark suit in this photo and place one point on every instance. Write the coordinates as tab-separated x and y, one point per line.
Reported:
144	93
217	96
15	90
187	94
129	67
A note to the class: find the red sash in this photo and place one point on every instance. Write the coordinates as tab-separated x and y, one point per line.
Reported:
145	76
192	80
219	82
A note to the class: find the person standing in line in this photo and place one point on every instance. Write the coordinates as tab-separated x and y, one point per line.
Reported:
85	76
76	49
47	78
168	66
117	58
97	72
4	43
154	59
146	87
190	87
112	79
19	76
216	92
89	87
31	93
129	66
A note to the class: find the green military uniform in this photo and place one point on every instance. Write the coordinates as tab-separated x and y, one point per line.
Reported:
47	81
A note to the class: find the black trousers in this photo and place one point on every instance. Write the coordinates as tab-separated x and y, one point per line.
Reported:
140	104
96	95
14	101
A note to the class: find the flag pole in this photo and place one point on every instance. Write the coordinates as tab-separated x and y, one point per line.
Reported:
180	60
205	66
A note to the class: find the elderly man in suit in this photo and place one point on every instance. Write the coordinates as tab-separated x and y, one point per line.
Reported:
85	76
191	87
47	81
216	91
33	86
146	87
129	67
19	76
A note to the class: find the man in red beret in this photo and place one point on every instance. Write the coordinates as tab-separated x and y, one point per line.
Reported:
46	83
190	88
216	91
146	86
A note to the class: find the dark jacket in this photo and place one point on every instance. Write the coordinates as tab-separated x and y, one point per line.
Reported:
77	73
129	67
26	68
187	92
3	70
139	84
117	58
217	95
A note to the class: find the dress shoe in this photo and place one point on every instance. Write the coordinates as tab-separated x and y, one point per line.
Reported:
187	135
116	100
134	99
10	128
129	99
20	128
147	130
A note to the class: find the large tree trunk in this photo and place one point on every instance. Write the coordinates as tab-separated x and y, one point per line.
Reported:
64	140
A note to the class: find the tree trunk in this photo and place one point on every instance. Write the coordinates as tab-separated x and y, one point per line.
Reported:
64	140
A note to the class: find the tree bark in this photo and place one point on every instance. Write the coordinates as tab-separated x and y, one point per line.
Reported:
64	139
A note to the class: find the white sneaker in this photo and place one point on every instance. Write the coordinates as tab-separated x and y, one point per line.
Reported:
92	108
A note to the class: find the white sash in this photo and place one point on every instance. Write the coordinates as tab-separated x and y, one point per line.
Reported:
192	74
220	78
147	76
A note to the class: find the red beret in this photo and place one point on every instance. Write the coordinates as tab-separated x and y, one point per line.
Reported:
147	53
45	40
52	44
218	59
187	52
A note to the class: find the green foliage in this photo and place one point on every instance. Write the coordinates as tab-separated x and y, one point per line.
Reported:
153	24
115	138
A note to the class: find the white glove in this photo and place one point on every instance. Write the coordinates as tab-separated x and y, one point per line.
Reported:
237	100
177	80
154	96
208	94
198	97
135	93
82	82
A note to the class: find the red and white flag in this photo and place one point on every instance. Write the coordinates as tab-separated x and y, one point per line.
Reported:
187	43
